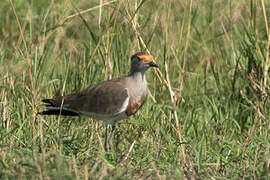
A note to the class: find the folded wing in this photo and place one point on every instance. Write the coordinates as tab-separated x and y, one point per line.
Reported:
107	98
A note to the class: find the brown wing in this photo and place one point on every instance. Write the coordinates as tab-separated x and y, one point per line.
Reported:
104	98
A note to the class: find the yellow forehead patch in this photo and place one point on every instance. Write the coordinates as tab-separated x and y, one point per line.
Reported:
146	57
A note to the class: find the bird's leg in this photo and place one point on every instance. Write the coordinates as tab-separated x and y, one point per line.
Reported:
112	135
106	139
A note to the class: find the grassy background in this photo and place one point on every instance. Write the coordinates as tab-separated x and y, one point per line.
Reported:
208	112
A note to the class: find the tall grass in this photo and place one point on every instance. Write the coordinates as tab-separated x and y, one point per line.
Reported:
207	115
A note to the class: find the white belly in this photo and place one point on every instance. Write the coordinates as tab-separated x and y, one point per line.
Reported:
106	118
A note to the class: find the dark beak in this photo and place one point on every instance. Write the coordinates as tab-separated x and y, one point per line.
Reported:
152	64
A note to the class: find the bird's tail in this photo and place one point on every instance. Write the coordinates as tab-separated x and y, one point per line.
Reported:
55	109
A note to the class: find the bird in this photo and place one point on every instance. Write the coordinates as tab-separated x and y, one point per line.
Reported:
109	101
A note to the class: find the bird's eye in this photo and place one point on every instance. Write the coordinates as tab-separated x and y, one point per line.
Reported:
140	59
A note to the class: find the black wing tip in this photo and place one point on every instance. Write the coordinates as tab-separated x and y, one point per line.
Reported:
48	101
58	112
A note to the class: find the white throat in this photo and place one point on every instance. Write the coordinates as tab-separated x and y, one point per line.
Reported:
139	77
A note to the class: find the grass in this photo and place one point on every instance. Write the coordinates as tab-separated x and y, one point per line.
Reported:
208	111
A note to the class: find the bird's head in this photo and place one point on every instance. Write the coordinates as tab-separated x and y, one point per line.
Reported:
141	61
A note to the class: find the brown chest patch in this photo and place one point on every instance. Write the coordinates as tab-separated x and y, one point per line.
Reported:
134	107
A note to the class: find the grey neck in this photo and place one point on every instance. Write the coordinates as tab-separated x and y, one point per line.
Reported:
139	76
